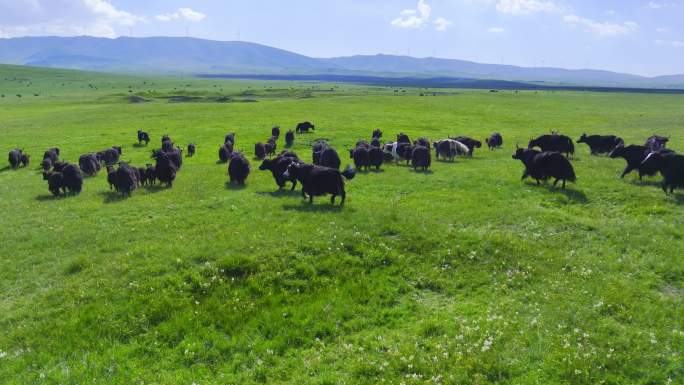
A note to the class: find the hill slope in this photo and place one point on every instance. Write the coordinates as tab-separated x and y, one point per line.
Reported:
173	54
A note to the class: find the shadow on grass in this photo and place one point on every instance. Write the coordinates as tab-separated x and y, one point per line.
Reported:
49	197
6	168
679	198
651	183
221	162
426	172
305	206
139	145
375	171
235	186
113	196
573	195
154	188
284	193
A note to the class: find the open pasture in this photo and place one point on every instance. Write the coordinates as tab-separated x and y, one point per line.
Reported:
463	274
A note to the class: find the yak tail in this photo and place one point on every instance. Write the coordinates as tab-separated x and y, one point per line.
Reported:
349	173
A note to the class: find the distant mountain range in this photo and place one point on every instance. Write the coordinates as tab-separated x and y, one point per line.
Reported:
180	54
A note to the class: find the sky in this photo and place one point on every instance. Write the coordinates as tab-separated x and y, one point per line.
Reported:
633	36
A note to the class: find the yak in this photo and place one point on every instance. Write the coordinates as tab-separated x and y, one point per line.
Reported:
670	165
635	155
304	127
471	143
601	144
14	158
275	132
420	158
278	166
554	142
494	141
545	165
289	138
238	169
377	134
225	151
143	137
126	179
165	168
318	180
191	150
361	156
89	164
260	150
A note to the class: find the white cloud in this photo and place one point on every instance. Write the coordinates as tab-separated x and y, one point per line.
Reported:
661	29
63	17
182	14
442	24
526	7
496	30
414	18
670	43
602	28
419	18
654	5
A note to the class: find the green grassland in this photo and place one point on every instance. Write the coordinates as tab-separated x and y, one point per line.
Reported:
463	275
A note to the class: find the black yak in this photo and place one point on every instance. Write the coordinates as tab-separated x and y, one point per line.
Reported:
191	150
49	158
471	143
545	165
361	156
377	134
238	169
111	177
229	138
403	138
449	149
175	154
275	132
89	164
225	151
494	141
109	156
126	179
271	146
143	137
318	180
289	138
278	166
601	144
656	143
670	165
25	159
329	158
375	142
14	158
165	168
375	157
64	177
305	127
420	158
317	149
554	142
634	155
151	174
259	150
167	143
425	142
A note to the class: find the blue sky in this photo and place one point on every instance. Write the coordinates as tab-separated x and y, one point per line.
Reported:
636	36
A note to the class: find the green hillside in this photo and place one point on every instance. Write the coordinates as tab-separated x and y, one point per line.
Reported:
462	275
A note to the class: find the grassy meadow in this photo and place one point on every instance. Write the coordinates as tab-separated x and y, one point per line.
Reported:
463	275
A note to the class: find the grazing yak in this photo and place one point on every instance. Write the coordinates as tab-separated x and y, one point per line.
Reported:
545	165
278	166
275	132
89	164
361	156
375	157
601	144
229	138
305	127
554	142
656	142
225	151
635	155
421	158
471	143
165	168
289	138
260	150
143	137
126	179
318	180
191	150
238	169
14	158
670	165
65	177
494	141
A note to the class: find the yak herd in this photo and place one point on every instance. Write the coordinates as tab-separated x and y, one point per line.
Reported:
546	157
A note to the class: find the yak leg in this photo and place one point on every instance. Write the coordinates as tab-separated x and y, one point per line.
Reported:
563	184
294	184
343	194
332	199
555	182
626	171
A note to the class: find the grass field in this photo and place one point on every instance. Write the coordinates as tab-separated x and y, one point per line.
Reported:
464	275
